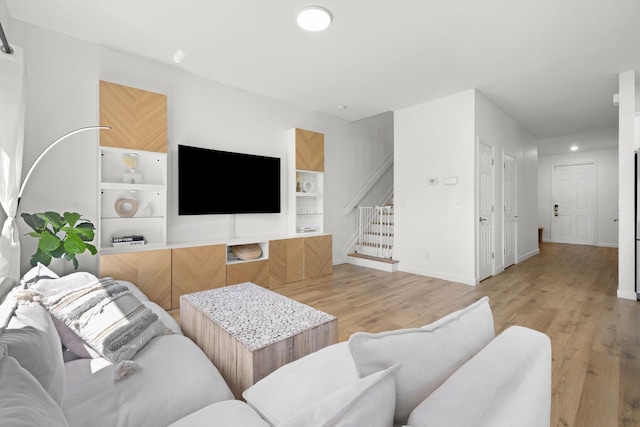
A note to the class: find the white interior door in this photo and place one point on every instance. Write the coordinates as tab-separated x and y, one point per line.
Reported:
573	204
509	209
485	211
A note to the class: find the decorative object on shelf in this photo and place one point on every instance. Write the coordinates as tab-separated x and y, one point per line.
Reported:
298	186
131	176
47	227
247	252
127	240
148	211
305	229
126	207
308	186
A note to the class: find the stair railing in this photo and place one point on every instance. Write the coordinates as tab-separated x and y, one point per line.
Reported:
353	203
375	231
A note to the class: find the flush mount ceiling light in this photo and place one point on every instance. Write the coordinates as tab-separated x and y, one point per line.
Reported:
574	148
314	18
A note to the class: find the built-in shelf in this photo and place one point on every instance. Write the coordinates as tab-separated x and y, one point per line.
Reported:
138	207
306	181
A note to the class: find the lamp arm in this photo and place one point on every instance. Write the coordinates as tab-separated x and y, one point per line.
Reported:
46	150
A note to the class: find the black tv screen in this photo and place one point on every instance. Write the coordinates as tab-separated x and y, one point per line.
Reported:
222	182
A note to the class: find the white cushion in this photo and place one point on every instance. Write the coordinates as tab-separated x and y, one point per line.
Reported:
508	383
174	379
302	383
102	312
31	338
429	355
230	413
369	402
23	401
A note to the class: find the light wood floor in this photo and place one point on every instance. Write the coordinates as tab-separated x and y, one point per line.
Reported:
567	292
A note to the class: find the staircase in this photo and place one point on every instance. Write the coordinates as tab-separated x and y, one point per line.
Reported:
374	247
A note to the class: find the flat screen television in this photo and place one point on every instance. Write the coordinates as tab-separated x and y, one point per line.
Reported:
223	182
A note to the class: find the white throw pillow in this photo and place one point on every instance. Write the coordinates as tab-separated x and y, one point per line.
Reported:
429	355
23	401
102	312
368	402
32	340
302	383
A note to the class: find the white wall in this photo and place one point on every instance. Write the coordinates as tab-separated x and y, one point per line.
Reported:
499	130
62	94
432	236
438	139
606	162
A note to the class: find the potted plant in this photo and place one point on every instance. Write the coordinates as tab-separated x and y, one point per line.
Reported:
60	236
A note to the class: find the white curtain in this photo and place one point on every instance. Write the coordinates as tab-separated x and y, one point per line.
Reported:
12	100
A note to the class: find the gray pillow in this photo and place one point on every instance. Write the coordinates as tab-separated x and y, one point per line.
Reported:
23	401
32	340
429	355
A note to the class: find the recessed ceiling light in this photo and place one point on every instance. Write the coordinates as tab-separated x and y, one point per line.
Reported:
574	148
314	18
178	56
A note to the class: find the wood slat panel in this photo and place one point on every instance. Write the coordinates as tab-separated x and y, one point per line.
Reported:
197	269
251	271
277	262
285	261
138	118
317	256
295	262
309	150
148	270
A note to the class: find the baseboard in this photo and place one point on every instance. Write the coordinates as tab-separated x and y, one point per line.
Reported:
471	281
607	245
528	255
627	294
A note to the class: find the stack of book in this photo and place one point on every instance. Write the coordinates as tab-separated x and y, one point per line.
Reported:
127	240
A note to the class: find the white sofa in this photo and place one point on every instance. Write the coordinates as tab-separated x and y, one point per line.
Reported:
453	372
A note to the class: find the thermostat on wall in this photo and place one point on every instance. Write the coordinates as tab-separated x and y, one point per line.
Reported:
450	180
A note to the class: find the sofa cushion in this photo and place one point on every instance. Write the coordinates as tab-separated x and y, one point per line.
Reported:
174	379
230	413
102	312
32	340
429	355
302	383
369	402
23	401
507	383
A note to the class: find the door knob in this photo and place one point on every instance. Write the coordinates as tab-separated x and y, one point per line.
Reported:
482	219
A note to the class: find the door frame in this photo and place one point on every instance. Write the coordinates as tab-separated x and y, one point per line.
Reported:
594	190
492	237
515	197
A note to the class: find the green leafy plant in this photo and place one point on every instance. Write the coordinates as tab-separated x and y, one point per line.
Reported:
60	236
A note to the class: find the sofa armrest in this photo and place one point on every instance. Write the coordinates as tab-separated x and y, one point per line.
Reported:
507	383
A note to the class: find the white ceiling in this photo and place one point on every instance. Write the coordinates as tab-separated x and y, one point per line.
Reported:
551	64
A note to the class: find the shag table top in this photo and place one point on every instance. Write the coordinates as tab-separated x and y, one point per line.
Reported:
255	315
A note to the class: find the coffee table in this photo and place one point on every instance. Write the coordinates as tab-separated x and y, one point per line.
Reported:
248	331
